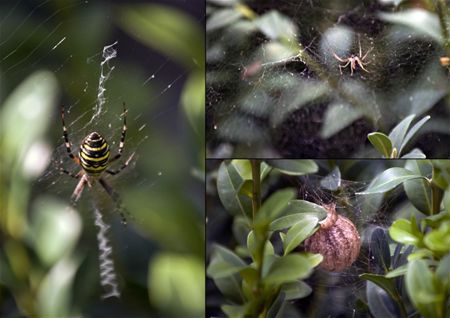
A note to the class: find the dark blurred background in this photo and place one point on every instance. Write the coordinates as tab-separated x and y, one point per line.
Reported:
50	55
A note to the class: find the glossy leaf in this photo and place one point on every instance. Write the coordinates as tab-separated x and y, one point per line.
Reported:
290	220
402	231
399	271
288	269
419	191
346	114
414	154
294	167
381	142
298	233
390	179
229	183
383	282
222	18
306	207
274	25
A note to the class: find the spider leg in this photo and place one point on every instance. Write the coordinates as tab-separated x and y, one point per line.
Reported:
338	58
359	43
361	65
66	139
365	55
124	165
115	196
343	66
79	189
122	137
75	176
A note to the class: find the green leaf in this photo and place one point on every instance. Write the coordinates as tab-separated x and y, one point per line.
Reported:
298	233
419	191
381	142
193	101
274	205
420	20
438	240
229	183
397	134
288	269
390	179
170	31
414	154
402	231
224	263
294	167
421	288
296	290
233	311
413	131
380	304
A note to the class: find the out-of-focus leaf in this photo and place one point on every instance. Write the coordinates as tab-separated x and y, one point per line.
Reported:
381	142
419	19
298	233
346	115
229	182
399	271
176	283
296	93
402	231
30	105
443	270
224	263
380	304
193	101
419	191
241	129
274	205
54	294
420	285
54	220
268	247
439	239
274	25
390	179
222	18
234	311
224	2
169	30
296	290
294	167
257	103
288	269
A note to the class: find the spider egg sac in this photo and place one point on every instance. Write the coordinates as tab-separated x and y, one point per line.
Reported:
337	240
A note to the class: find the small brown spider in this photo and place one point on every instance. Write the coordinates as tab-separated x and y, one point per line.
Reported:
353	60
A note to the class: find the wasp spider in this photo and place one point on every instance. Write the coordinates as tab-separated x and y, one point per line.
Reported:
94	160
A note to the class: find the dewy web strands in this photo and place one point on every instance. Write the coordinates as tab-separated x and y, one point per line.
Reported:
105	71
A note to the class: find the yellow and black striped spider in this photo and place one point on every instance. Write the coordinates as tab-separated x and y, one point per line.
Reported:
94	160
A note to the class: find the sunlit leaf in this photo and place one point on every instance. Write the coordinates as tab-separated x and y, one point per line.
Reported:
419	191
398	133
402	231
414	129
298	233
274	205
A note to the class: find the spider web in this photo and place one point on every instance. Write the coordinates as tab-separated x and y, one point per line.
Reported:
35	35
274	85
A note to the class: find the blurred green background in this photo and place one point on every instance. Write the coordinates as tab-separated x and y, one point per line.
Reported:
50	54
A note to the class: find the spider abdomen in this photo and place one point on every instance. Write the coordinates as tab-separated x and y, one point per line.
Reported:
94	154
